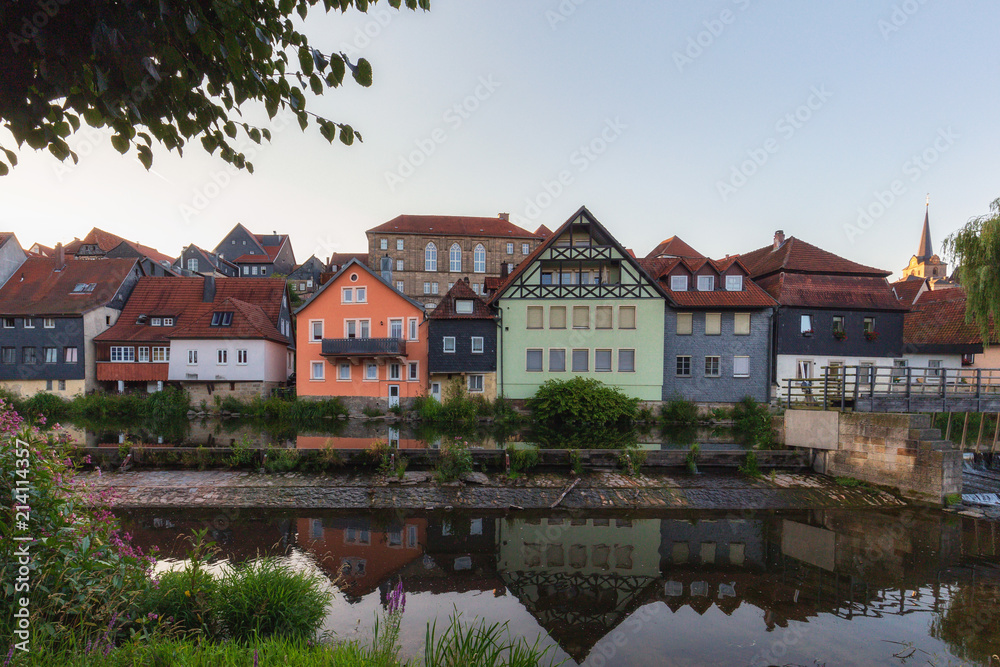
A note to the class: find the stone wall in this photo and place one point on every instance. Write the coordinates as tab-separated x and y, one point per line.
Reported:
200	391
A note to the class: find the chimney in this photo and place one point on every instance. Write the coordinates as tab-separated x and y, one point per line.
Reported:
60	257
779	238
208	292
386	268
504	216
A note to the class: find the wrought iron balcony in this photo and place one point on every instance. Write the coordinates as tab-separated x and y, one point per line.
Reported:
363	347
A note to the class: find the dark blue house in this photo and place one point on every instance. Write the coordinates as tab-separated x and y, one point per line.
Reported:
462	343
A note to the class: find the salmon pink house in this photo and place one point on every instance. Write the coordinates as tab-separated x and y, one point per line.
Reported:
362	341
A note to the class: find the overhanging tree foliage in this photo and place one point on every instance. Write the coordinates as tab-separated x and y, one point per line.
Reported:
975	249
169	71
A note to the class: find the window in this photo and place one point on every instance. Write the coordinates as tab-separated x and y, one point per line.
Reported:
684	324
143	354
713	324
475	384
477	345
383	244
193	264
626	361
533	361
741	324
51	355
399	265
867	373
868	324
535	317
9	355
427	288
361	295
431	257
62	385
557	317
344	371
734	283
48	385
678	283
220	319
316	370
399	286
396	328
84	288
934	368
241	357
741	367
192	357
603	317
8	323
581	317
253	270
347	295
712	367
475	288
160	354
838	324
119	353
413	328
364	329
706	283
803	369
557	360
581	361
399	244
510	248
463	306
455	258
70	355
412	373
602	361
434	288
222	357
684	366
156	322
806	324
479	259
371	371
350	328
448	345
395	372
29	323
246	270
168	321
525	249
626	317
316	331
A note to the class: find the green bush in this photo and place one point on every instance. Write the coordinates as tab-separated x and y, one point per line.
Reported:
264	598
579	401
752	423
750	467
53	407
455	460
281	460
522	459
182	600
679	411
631	461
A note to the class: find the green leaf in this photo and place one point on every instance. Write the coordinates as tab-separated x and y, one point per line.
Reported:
316	84
230	128
4	170
346	135
363	73
305	60
145	157
11	156
59	148
120	143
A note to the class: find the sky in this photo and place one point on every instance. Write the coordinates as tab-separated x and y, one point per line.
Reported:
719	122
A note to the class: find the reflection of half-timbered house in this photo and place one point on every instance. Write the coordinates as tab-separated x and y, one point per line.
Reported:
581	305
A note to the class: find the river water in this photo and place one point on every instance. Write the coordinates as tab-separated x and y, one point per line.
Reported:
642	588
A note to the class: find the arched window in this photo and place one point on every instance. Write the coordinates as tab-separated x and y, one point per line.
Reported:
455	258
479	259
431	257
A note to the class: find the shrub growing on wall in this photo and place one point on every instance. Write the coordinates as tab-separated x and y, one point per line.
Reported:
582	401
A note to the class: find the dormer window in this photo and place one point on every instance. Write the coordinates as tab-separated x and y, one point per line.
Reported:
463	306
706	283
222	319
678	283
84	288
156	322
734	283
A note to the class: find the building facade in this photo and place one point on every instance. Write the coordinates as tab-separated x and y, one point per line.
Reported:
195	260
362	341
257	255
462	344
12	256
430	253
304	280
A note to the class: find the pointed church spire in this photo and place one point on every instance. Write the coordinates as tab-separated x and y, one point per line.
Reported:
926	250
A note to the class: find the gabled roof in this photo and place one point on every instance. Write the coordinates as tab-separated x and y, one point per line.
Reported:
4	237
550	241
461	291
107	241
39	250
210	257
249	322
831	291
751	296
797	256
938	319
254	259
182	299
452	225
341	258
908	288
543	232
674	247
37	289
363	267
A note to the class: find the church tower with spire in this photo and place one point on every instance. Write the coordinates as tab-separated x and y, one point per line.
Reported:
925	264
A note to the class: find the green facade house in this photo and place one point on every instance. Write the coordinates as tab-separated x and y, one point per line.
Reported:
580	305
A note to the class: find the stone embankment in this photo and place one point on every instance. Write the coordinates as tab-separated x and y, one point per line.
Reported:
418	490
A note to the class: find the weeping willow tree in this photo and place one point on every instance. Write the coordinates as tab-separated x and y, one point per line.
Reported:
975	249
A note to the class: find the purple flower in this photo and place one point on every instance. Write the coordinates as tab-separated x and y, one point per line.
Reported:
255	658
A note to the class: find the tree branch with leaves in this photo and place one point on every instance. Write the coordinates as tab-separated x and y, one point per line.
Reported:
975	250
165	71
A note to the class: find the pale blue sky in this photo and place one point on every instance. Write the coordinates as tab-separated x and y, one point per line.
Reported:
667	122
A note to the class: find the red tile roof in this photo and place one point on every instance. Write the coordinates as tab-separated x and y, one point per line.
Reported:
39	250
37	289
751	296
674	247
249	322
907	288
543	232
340	258
938	318
254	259
107	241
461	291
836	291
797	256
452	225
181	298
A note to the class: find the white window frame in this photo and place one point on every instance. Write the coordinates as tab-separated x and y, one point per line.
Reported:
396	321
142	355
525	249
71	354
541	360
192	263
737	374
476	384
168	321
192	357
413	371
383	244
414	328
399	265
510	247
399	244
360	295
464	306
478	345
400	286
369	376
677	366
317	370
455	262
29	323
346	295
395	372
313	338
479	259
156	322
718	366
242	357
734	283
221	357
161	355
48	323
448	345
341	375
122	353
50	355
430	258
706	283
678	283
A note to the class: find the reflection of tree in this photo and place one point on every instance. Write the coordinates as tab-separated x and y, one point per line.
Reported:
971	623
580	437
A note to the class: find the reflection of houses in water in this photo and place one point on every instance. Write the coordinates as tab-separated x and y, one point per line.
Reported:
237	537
361	552
460	556
580	578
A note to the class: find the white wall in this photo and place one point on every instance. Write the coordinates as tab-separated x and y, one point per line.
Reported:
95	323
265	361
786	365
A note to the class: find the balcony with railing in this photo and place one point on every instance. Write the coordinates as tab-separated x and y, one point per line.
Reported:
363	347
